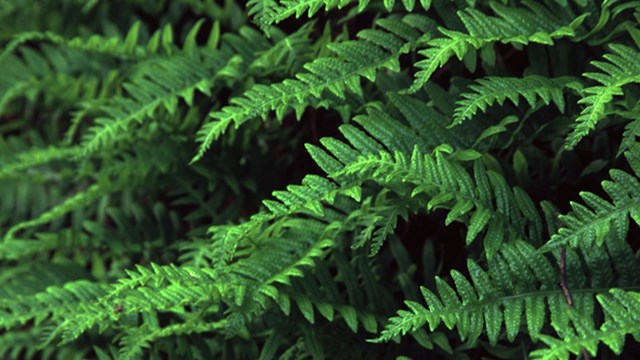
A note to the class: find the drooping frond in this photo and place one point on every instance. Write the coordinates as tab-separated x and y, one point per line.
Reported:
533	23
621	68
489	90
340	75
588	225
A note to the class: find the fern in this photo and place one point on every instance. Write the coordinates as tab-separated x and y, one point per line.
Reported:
513	25
268	12
621	309
145	212
620	70
354	59
494	89
586	226
503	295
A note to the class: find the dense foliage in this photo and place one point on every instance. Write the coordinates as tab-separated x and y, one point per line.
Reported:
338	179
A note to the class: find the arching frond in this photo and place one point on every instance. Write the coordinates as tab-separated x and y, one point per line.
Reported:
489	90
269	12
512	25
621	68
588	225
340	75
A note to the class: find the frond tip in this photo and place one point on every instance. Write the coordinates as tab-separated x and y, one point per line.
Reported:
590	224
622	68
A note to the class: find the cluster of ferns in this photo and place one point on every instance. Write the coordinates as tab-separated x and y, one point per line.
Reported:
319	179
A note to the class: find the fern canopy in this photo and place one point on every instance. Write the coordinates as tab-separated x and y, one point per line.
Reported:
319	179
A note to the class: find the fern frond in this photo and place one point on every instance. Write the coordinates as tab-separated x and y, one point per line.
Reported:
534	23
133	344
269	12
19	344
483	200
492	89
50	71
339	75
621	68
249	282
80	199
36	157
54	302
588	225
622	314
520	281
160	84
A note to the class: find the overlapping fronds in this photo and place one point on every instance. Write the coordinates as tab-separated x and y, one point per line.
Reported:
145	214
519	292
621	310
340	75
511	25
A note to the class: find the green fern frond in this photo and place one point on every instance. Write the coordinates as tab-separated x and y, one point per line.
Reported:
534	23
81	199
133	344
161	83
622	314
621	68
483	200
126	48
17	344
248	282
588	225
520	281
269	12
54	303
489	90
36	157
50	71
339	75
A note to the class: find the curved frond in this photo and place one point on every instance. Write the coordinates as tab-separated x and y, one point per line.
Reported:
621	68
588	225
340	75
492	89
511	25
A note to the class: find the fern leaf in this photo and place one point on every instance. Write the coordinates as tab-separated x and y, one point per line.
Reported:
338	75
622	318
269	12
448	185
36	157
490	90
588	225
520	285
512	25
55	301
621	68
160	84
